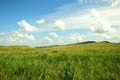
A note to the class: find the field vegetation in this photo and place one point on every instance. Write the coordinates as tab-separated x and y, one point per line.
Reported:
87	61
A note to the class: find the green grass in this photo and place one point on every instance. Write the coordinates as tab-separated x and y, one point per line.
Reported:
92	61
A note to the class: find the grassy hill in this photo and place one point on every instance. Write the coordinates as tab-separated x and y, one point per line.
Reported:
80	61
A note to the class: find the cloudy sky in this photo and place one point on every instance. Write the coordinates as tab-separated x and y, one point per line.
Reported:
58	22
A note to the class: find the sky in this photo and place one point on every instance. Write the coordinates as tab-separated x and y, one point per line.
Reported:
58	22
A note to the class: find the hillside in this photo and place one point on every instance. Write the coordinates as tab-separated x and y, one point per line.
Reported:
78	48
81	61
100	47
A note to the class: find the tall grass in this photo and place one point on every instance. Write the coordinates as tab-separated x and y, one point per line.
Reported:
98	61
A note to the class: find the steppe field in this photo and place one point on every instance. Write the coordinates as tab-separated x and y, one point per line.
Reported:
82	61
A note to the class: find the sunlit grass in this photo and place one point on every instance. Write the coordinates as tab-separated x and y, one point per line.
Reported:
95	61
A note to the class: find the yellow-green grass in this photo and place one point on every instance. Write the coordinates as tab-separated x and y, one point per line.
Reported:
91	61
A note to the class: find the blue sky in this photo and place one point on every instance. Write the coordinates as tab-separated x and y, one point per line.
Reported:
58	22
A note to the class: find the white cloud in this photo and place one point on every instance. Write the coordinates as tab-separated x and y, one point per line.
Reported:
115	37
2	33
101	25
78	21
40	21
81	1
61	41
106	36
20	34
75	38
109	36
30	37
95	13
47	39
101	29
71	17
92	1
112	15
1	39
59	24
53	34
80	18
11	39
115	3
27	27
104	22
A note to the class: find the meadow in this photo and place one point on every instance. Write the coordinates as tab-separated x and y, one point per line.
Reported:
87	61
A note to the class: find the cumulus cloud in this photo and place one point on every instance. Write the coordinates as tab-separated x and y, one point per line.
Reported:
2	33
11	39
115	3
112	14
82	19
53	34
61	41
95	13
77	19
59	24
30	37
80	1
75	38
27	27
40	21
101	25
106	36
20	34
1	39
47	39
92	1
99	29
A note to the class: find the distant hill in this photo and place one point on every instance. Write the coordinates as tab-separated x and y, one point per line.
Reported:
86	42
105	41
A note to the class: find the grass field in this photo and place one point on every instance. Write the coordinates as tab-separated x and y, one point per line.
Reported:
89	61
